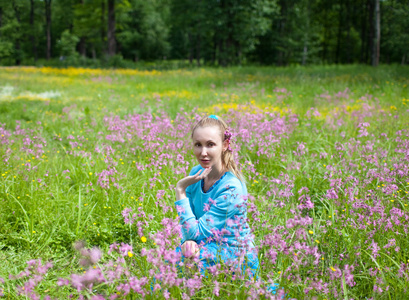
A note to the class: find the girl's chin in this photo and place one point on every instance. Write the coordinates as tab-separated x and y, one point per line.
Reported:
205	164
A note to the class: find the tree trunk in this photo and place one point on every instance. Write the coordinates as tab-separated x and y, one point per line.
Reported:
223	44
306	36
304	54
363	32
17	45
377	35
325	47
214	50
221	59
324	43
32	37
238	52
282	28
403	60
111	28
83	44
103	32
1	20
198	36
348	40
198	50
230	39
338	52
47	4
83	47
370	47
229	42
189	37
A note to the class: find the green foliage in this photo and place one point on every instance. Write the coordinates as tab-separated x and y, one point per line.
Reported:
6	49
145	30
67	44
395	19
10	32
115	61
222	32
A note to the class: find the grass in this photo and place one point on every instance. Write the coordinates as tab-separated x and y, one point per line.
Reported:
54	120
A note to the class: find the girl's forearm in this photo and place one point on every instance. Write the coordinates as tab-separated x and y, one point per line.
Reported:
180	192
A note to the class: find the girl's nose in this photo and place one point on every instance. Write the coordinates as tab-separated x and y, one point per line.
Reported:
204	151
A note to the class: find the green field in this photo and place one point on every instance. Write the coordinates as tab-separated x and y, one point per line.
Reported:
324	149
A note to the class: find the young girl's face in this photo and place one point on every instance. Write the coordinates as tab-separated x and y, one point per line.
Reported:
208	146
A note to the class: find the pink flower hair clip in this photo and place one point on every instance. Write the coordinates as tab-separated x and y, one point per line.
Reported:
227	137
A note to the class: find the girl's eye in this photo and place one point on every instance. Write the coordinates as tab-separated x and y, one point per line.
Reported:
211	144
197	145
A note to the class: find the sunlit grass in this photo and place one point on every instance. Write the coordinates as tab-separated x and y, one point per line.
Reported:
51	185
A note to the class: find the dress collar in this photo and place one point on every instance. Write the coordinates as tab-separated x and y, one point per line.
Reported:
214	184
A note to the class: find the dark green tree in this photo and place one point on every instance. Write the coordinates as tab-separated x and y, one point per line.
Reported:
47	10
10	32
89	25
145	30
215	32
395	31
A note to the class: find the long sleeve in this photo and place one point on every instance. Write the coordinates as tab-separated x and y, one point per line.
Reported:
219	211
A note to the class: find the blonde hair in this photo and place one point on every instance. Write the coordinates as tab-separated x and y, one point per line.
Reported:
227	156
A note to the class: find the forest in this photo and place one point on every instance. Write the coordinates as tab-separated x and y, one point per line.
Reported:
118	33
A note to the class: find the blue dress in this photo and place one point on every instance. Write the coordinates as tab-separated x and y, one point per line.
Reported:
217	221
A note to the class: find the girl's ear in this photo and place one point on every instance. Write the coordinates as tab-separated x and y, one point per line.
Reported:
226	144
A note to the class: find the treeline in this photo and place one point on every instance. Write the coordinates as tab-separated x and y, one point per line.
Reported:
210	32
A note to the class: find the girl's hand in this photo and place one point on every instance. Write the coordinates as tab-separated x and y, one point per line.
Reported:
189	180
190	249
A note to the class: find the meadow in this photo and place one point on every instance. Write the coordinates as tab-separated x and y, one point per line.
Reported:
90	159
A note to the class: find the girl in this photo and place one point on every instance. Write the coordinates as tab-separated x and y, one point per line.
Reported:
211	203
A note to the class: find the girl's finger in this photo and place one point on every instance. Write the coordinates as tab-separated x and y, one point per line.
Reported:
202	173
198	173
206	172
196	250
187	250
